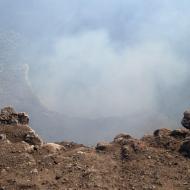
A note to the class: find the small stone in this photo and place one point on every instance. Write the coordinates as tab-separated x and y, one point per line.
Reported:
29	163
53	147
34	171
80	152
3	137
125	152
58	176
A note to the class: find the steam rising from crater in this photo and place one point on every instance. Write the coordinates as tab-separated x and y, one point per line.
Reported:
87	76
104	58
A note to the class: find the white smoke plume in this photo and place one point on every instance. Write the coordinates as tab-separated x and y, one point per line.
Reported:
102	58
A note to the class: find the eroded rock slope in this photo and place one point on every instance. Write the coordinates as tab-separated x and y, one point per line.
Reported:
158	161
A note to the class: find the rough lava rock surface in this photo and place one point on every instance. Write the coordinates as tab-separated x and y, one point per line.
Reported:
15	127
186	119
159	161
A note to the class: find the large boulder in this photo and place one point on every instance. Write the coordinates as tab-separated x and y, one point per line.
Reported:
180	133
186	119
185	147
9	116
15	127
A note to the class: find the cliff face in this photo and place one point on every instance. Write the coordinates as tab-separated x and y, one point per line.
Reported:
158	161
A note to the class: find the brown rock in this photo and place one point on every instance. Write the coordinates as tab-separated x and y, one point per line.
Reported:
14	127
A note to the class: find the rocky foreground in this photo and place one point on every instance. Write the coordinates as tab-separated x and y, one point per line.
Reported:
158	161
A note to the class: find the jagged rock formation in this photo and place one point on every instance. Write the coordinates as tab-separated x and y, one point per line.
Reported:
159	161
14	127
9	116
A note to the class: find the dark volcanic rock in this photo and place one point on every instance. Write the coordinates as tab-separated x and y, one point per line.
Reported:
180	133
9	116
185	147
162	132
186	120
102	146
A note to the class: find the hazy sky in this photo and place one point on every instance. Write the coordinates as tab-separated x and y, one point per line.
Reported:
96	58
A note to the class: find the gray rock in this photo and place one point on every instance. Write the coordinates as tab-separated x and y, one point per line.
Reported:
125	152
14	127
8	116
186	120
7	111
180	133
185	147
3	137
23	118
